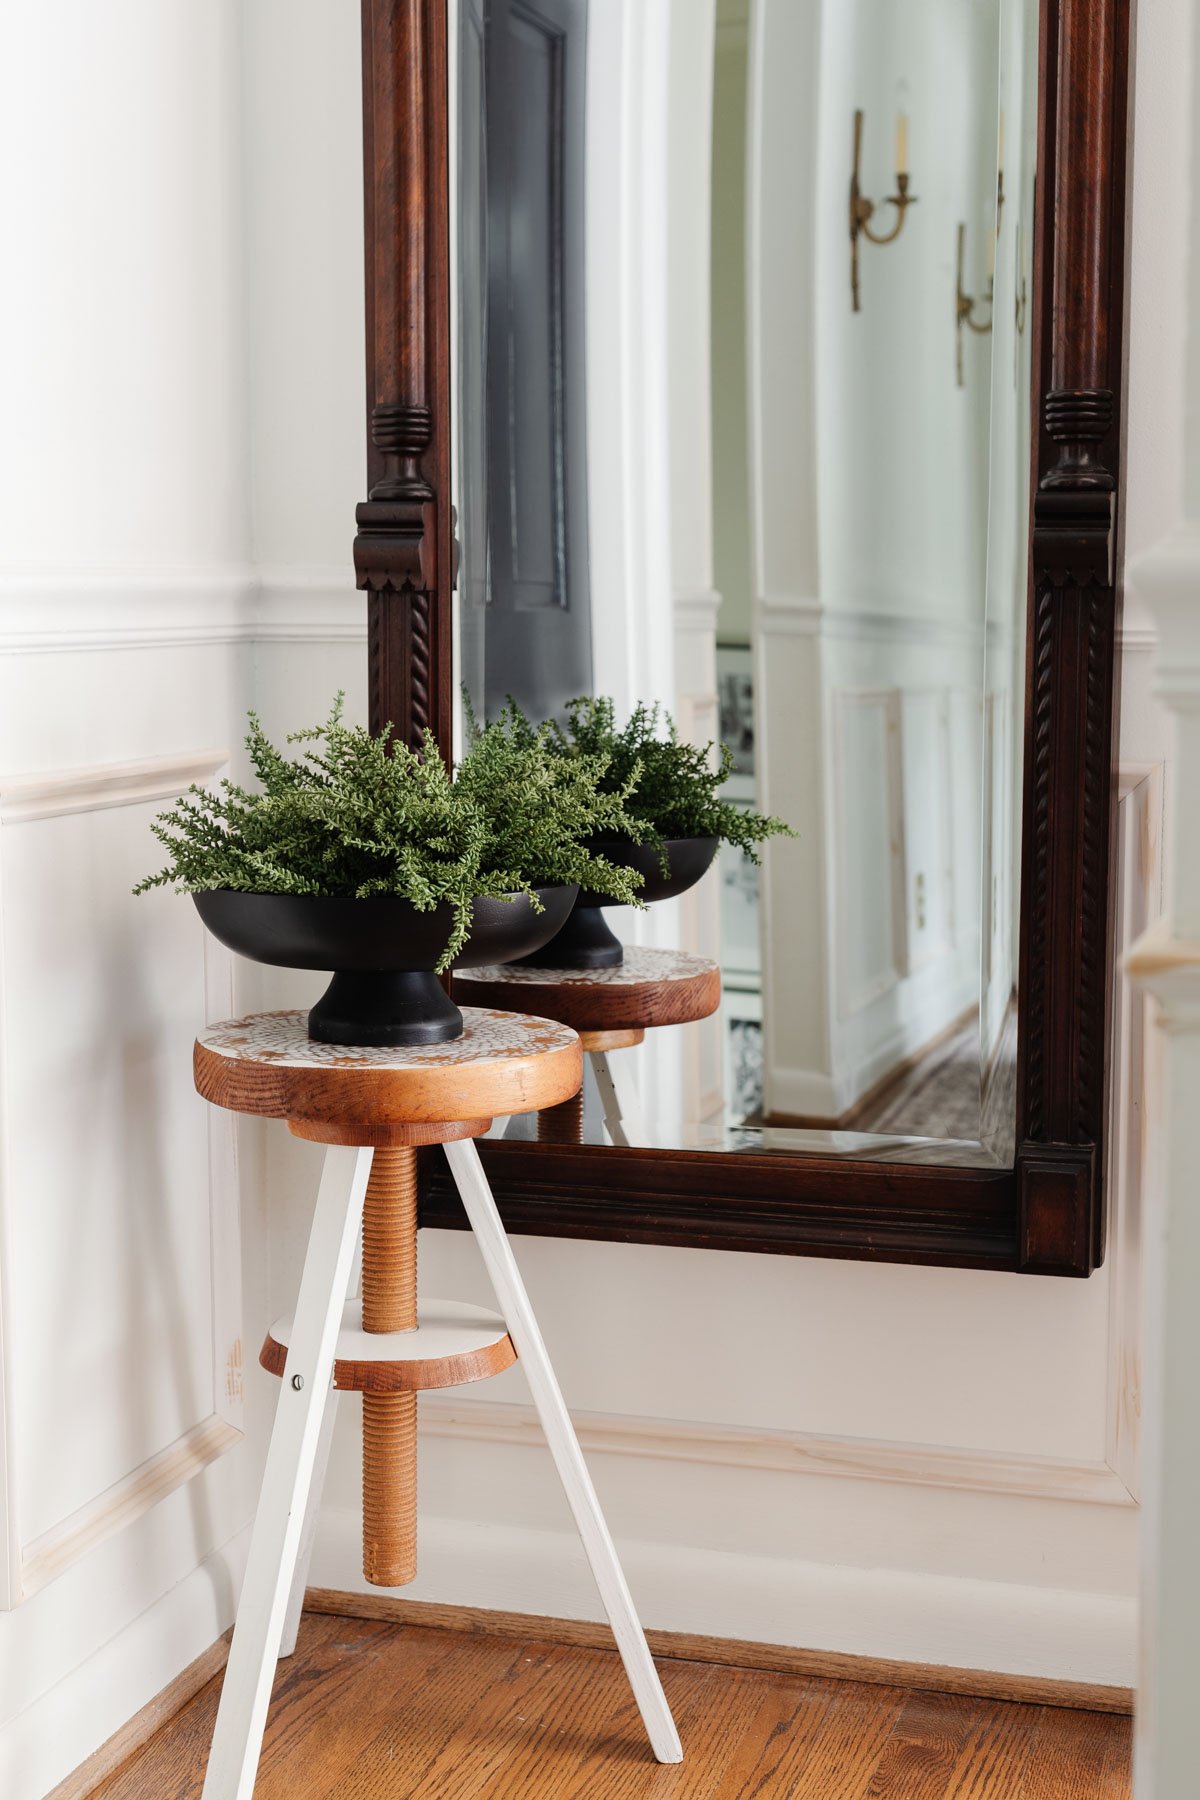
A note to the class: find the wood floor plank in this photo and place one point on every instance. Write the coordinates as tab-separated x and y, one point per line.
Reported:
991	1764
171	1766
1078	1757
1116	1781
406	1664
819	1737
602	1749
371	1710
918	1759
525	1695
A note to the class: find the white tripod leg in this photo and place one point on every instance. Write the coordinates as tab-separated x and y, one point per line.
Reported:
312	1512
505	1277
622	1114
307	1383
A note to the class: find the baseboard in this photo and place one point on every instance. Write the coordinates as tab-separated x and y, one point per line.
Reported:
115	1700
888	1616
734	1653
136	1734
584	1633
447	1415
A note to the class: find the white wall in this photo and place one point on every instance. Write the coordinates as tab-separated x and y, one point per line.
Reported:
912	1462
126	602
870	469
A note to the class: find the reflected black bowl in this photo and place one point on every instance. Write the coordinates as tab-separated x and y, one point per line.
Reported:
586	941
383	951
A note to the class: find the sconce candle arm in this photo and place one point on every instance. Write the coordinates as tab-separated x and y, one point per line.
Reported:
964	307
862	210
900	200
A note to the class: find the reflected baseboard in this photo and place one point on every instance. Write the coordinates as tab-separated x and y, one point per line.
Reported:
869	1109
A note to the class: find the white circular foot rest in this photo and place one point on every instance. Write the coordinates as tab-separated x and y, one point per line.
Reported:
453	1343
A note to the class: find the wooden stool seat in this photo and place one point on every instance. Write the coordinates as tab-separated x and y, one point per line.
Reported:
450	1344
611	1009
431	1093
650	988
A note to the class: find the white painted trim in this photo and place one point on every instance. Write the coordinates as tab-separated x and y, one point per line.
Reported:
65	610
49	1739
800	615
1139	905
697	611
10	1527
24	798
851	1000
24	1568
786	1452
1055	1633
47	1556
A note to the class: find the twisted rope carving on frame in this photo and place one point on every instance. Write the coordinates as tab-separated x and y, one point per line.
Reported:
420	661
1093	889
1042	733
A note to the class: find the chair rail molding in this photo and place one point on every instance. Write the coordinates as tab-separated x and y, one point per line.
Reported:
52	611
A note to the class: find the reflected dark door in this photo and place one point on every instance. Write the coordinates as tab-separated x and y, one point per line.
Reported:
522	483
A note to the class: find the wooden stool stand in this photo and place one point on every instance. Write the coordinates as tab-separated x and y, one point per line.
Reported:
372	1108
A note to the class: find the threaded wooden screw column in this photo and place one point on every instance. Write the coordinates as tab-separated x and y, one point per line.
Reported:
389	1303
562	1124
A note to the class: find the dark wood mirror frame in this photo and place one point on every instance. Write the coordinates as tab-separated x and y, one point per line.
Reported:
1045	1215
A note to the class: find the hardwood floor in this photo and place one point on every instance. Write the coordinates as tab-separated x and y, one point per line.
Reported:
372	1711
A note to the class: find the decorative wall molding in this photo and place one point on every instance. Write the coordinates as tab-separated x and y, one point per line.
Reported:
785	1452
24	798
697	611
143	1488
795	615
25	1567
1139	906
57	611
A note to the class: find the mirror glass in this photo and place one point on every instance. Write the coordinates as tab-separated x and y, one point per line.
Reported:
742	333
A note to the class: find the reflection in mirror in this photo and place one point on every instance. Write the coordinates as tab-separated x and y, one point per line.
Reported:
742	378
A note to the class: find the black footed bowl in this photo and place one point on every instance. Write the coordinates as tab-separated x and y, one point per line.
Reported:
384	953
586	941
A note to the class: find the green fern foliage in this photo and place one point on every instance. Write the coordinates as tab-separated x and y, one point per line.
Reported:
356	814
672	788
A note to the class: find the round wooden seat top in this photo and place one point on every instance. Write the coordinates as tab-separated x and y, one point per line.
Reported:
503	1063
651	987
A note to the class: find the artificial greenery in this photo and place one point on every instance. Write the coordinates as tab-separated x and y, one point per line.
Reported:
545	811
358	815
673	787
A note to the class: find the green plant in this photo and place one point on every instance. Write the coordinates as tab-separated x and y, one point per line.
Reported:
544	810
357	814
675	786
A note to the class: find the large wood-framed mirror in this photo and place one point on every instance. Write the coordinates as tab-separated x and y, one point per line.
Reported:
852	503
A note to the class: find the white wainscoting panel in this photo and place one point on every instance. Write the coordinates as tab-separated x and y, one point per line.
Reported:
927	758
121	1301
868	825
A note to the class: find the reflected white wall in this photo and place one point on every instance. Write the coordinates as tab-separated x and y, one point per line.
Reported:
870	482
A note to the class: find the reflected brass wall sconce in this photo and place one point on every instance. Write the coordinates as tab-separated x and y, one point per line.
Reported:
965	304
862	210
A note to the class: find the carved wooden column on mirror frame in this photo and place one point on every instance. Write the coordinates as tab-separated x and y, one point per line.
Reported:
403	553
1071	728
